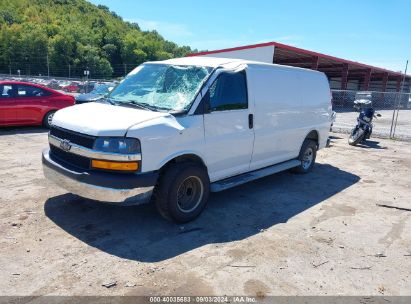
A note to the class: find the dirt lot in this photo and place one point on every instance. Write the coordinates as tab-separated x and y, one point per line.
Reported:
287	234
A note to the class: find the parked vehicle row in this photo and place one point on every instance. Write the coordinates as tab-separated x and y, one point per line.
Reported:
68	86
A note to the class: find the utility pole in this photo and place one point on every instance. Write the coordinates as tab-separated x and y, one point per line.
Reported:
86	73
398	105
48	66
69	70
26	57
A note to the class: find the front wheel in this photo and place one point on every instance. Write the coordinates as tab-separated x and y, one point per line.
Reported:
47	119
182	192
356	136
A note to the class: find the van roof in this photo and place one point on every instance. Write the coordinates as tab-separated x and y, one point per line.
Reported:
203	61
223	62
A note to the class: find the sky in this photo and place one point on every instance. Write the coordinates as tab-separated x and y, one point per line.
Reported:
375	32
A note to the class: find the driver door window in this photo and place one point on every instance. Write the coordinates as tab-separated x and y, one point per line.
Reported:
229	92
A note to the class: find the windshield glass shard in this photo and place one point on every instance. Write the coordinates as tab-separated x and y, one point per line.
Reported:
161	86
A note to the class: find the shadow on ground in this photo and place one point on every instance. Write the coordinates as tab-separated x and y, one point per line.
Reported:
21	130
332	140
333	137
139	233
371	144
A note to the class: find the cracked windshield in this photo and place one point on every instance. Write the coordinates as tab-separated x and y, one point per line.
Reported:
161	87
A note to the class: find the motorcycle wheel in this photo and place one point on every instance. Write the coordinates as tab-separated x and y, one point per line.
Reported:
356	136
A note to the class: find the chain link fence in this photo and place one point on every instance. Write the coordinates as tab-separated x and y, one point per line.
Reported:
41	69
385	103
394	107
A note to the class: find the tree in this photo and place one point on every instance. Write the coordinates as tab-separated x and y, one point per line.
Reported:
75	33
62	54
90	60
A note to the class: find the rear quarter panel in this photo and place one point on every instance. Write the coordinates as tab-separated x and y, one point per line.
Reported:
316	105
56	102
288	103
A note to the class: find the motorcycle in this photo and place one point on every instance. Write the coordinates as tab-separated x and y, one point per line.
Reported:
363	129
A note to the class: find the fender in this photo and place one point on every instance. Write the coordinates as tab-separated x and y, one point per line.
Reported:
182	153
316	138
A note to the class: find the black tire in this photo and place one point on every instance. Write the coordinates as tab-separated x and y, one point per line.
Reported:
355	139
173	191
47	119
307	156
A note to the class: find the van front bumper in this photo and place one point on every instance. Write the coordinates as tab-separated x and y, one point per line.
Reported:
127	189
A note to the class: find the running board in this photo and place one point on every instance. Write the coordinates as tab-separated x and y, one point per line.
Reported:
250	176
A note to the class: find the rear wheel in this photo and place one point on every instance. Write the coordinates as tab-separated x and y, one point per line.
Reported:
47	119
182	192
307	156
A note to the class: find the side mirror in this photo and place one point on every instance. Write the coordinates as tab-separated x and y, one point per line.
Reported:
378	115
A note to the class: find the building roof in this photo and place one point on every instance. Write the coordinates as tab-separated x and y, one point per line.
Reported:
217	62
290	55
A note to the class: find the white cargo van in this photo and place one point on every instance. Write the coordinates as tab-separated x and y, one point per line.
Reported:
175	130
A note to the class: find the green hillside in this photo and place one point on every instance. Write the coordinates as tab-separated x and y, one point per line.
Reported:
74	35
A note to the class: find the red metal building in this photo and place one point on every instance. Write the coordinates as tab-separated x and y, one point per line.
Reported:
343	74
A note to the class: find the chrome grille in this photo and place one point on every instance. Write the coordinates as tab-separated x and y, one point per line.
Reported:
74	137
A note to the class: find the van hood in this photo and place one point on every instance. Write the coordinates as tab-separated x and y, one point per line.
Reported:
100	119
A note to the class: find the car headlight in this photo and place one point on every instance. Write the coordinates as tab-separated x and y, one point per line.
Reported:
117	145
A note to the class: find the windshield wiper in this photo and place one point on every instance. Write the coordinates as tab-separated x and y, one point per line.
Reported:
140	105
108	100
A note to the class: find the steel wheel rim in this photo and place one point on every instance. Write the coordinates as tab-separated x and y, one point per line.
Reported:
50	119
189	194
308	158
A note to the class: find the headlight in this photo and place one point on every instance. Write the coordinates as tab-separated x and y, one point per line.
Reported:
117	145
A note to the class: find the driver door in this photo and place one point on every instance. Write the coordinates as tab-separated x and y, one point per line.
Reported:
229	135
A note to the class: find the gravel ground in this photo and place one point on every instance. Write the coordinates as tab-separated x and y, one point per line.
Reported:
316	234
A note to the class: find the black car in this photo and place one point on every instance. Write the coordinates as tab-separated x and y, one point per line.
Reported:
97	93
86	87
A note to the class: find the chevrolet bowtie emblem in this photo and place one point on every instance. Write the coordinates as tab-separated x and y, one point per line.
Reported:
65	145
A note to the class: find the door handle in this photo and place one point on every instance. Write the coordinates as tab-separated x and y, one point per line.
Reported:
250	121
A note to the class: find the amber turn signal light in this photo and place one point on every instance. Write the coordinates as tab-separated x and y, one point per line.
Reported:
110	165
